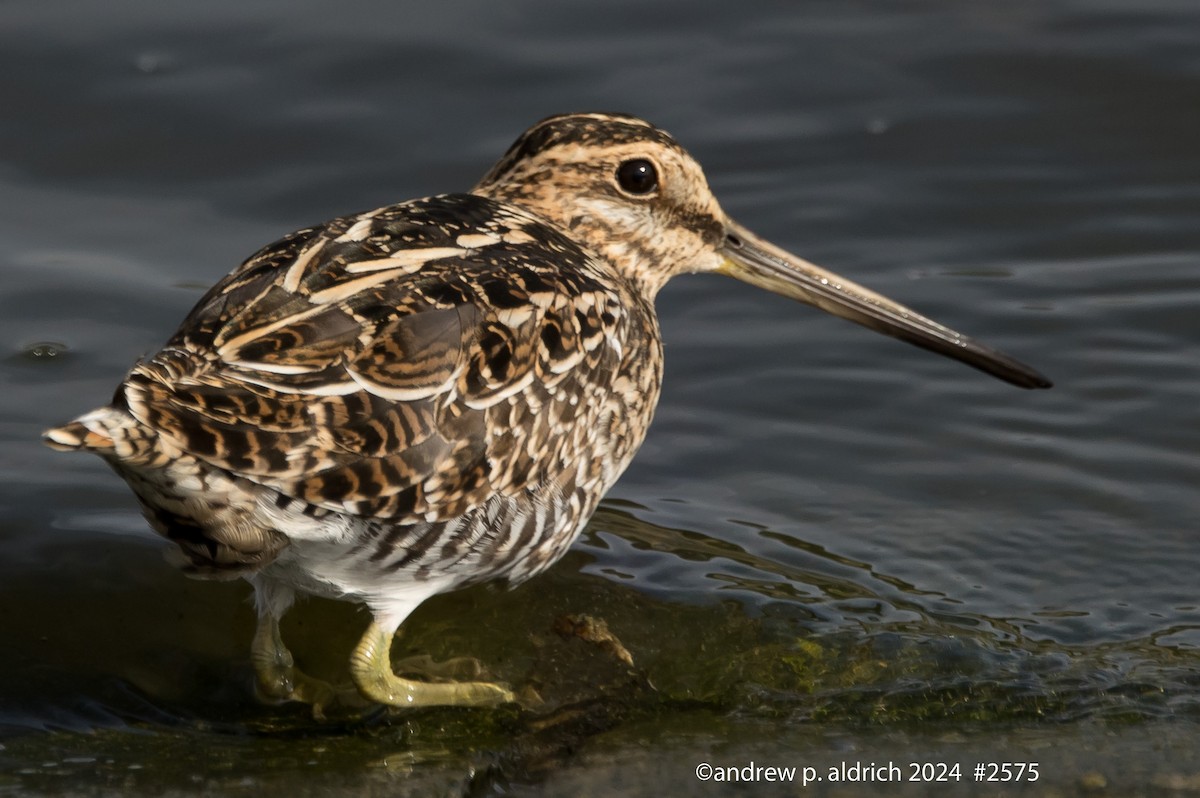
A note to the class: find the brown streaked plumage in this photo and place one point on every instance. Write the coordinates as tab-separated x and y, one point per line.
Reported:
436	393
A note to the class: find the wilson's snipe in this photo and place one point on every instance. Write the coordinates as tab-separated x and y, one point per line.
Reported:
402	402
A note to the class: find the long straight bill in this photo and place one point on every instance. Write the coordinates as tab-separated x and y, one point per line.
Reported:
760	263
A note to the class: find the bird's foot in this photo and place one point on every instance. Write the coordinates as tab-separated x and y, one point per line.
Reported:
370	665
280	684
277	678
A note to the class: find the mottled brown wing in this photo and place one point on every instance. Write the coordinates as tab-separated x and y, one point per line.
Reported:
391	364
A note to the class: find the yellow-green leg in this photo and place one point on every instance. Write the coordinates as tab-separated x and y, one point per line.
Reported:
371	667
278	677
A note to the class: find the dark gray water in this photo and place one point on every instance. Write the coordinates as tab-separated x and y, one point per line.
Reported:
832	547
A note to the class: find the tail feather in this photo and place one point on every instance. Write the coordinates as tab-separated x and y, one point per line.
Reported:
108	432
76	436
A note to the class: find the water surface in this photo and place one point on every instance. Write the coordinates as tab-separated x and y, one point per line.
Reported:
832	546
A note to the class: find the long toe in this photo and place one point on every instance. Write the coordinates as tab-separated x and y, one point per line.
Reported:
396	691
457	669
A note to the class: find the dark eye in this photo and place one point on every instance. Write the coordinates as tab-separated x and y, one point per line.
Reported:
637	176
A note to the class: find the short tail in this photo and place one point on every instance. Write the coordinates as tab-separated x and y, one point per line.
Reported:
78	435
108	432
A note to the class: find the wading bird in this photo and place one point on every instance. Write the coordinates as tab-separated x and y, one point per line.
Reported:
437	393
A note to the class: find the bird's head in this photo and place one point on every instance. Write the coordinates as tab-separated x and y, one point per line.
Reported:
632	194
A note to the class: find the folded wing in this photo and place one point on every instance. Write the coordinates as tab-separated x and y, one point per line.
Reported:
407	363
